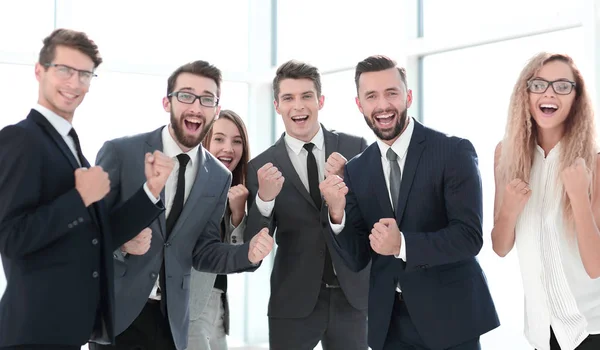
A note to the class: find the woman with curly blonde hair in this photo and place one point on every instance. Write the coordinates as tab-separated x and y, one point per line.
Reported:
547	202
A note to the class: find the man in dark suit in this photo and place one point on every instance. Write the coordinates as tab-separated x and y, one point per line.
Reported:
314	296
411	205
56	235
152	290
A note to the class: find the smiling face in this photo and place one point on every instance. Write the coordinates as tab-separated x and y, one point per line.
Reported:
383	100
59	93
298	104
550	109
191	122
226	143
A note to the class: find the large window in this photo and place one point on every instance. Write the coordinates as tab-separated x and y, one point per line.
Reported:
171	33
466	93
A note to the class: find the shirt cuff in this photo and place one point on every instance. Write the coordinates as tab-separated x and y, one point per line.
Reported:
265	208
402	254
150	195
337	228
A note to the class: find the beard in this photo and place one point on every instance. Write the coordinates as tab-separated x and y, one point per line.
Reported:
396	130
188	141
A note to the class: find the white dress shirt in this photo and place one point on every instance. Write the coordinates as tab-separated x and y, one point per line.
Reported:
62	126
171	149
400	147
558	291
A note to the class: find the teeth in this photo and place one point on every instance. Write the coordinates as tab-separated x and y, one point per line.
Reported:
193	121
546	105
384	116
299	117
68	95
226	159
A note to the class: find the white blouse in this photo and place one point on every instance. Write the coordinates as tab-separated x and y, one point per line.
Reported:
558	291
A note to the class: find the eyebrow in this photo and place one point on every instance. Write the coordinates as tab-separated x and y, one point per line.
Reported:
386	90
302	93
191	89
222	134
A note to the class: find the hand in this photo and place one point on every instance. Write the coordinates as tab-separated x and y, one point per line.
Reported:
237	196
260	246
140	244
158	167
577	179
270	182
334	192
385	237
335	165
92	184
516	195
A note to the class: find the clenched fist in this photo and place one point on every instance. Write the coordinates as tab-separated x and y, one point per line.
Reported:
270	182
516	195
158	167
260	246
140	244
92	184
237	196
577	179
335	165
334	191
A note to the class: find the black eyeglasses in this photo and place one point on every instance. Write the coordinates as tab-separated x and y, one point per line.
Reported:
65	72
560	87
189	98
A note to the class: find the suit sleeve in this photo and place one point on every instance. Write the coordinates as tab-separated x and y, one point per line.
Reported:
353	242
130	217
256	221
26	223
462	238
213	256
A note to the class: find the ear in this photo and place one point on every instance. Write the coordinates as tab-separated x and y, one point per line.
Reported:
276	105
321	101
39	70
359	105
408	98
217	112
166	104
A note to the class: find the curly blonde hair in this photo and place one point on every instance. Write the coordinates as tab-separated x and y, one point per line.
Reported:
520	139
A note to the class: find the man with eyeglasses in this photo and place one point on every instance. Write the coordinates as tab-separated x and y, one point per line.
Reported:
152	290
56	234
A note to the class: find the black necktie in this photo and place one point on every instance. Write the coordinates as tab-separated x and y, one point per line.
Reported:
176	209
315	193
82	160
177	205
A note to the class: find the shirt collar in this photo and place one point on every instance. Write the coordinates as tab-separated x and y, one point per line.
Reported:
59	123
400	146
172	149
297	145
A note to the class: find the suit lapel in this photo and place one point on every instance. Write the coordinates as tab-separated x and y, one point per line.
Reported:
153	143
55	136
377	181
413	156
331	142
200	184
289	172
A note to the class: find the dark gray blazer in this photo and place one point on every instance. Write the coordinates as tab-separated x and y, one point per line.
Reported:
302	233
194	242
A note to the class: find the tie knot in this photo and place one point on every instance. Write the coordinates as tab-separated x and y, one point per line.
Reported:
309	146
183	160
391	155
73	134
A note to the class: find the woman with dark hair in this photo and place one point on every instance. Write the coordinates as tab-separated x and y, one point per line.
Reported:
227	140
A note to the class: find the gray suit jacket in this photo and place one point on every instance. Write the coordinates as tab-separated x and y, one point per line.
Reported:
194	242
203	282
302	232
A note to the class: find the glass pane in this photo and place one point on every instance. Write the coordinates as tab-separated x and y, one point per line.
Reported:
339	110
328	34
23	28
173	33
455	102
493	16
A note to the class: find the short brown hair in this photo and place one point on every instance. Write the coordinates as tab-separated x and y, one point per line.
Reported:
296	70
200	68
69	38
239	173
377	63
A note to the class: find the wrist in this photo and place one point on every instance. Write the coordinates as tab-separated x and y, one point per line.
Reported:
336	216
263	198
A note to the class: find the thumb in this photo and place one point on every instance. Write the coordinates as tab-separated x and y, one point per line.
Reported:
387	221
264	232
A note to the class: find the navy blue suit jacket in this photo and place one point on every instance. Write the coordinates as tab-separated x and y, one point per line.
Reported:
440	214
56	253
